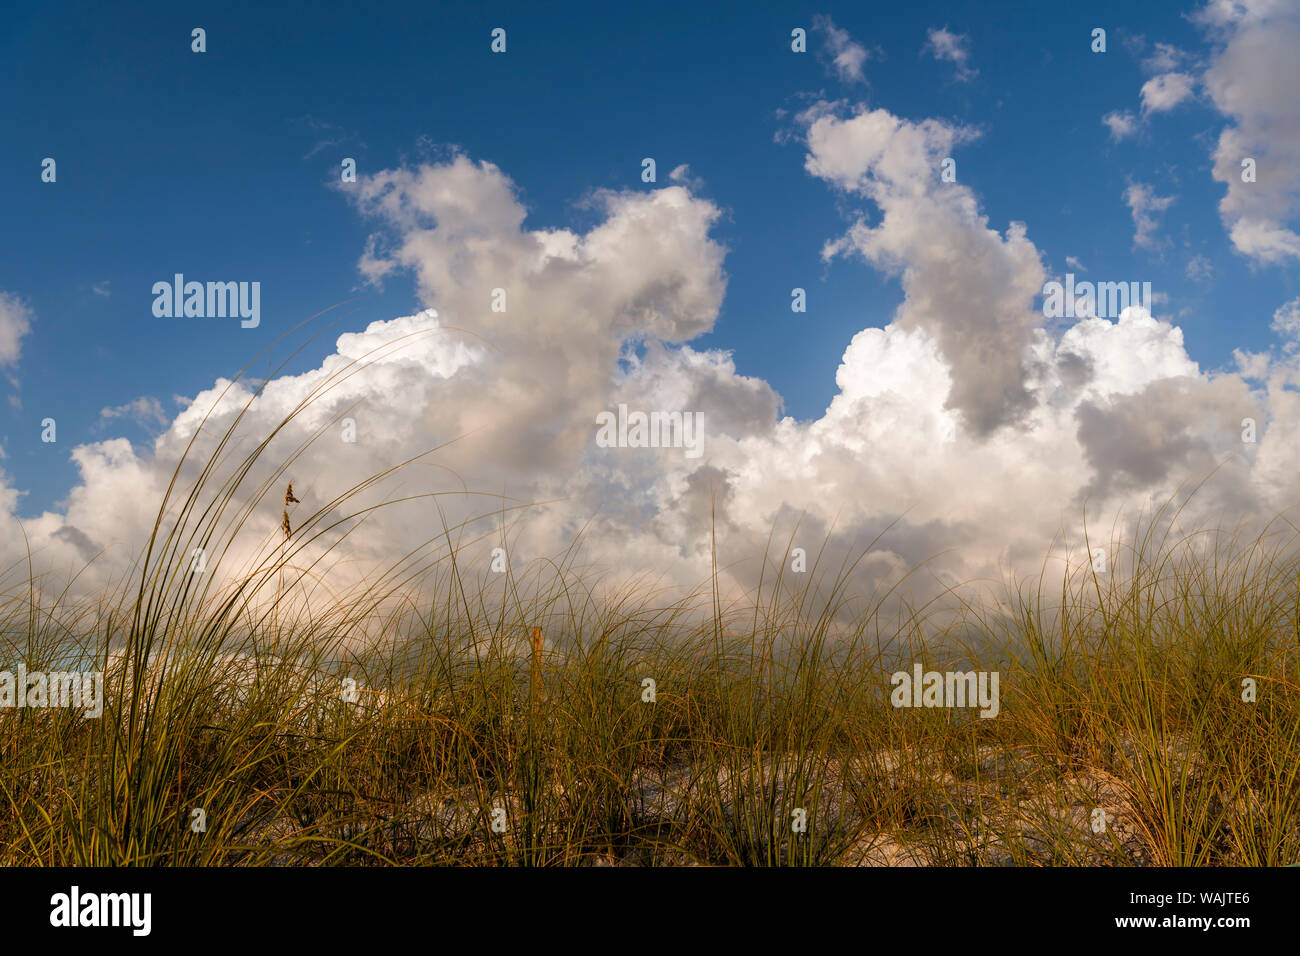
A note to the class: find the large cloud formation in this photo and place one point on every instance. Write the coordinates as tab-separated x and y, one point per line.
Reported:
1259	41
966	434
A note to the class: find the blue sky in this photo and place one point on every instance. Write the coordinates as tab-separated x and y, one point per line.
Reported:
223	165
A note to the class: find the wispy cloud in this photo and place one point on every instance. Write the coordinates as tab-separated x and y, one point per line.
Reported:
1162	93
1199	269
847	56
944	45
327	135
1146	207
145	411
1121	123
1286	323
15	323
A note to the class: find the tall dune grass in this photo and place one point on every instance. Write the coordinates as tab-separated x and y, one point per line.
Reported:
397	722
